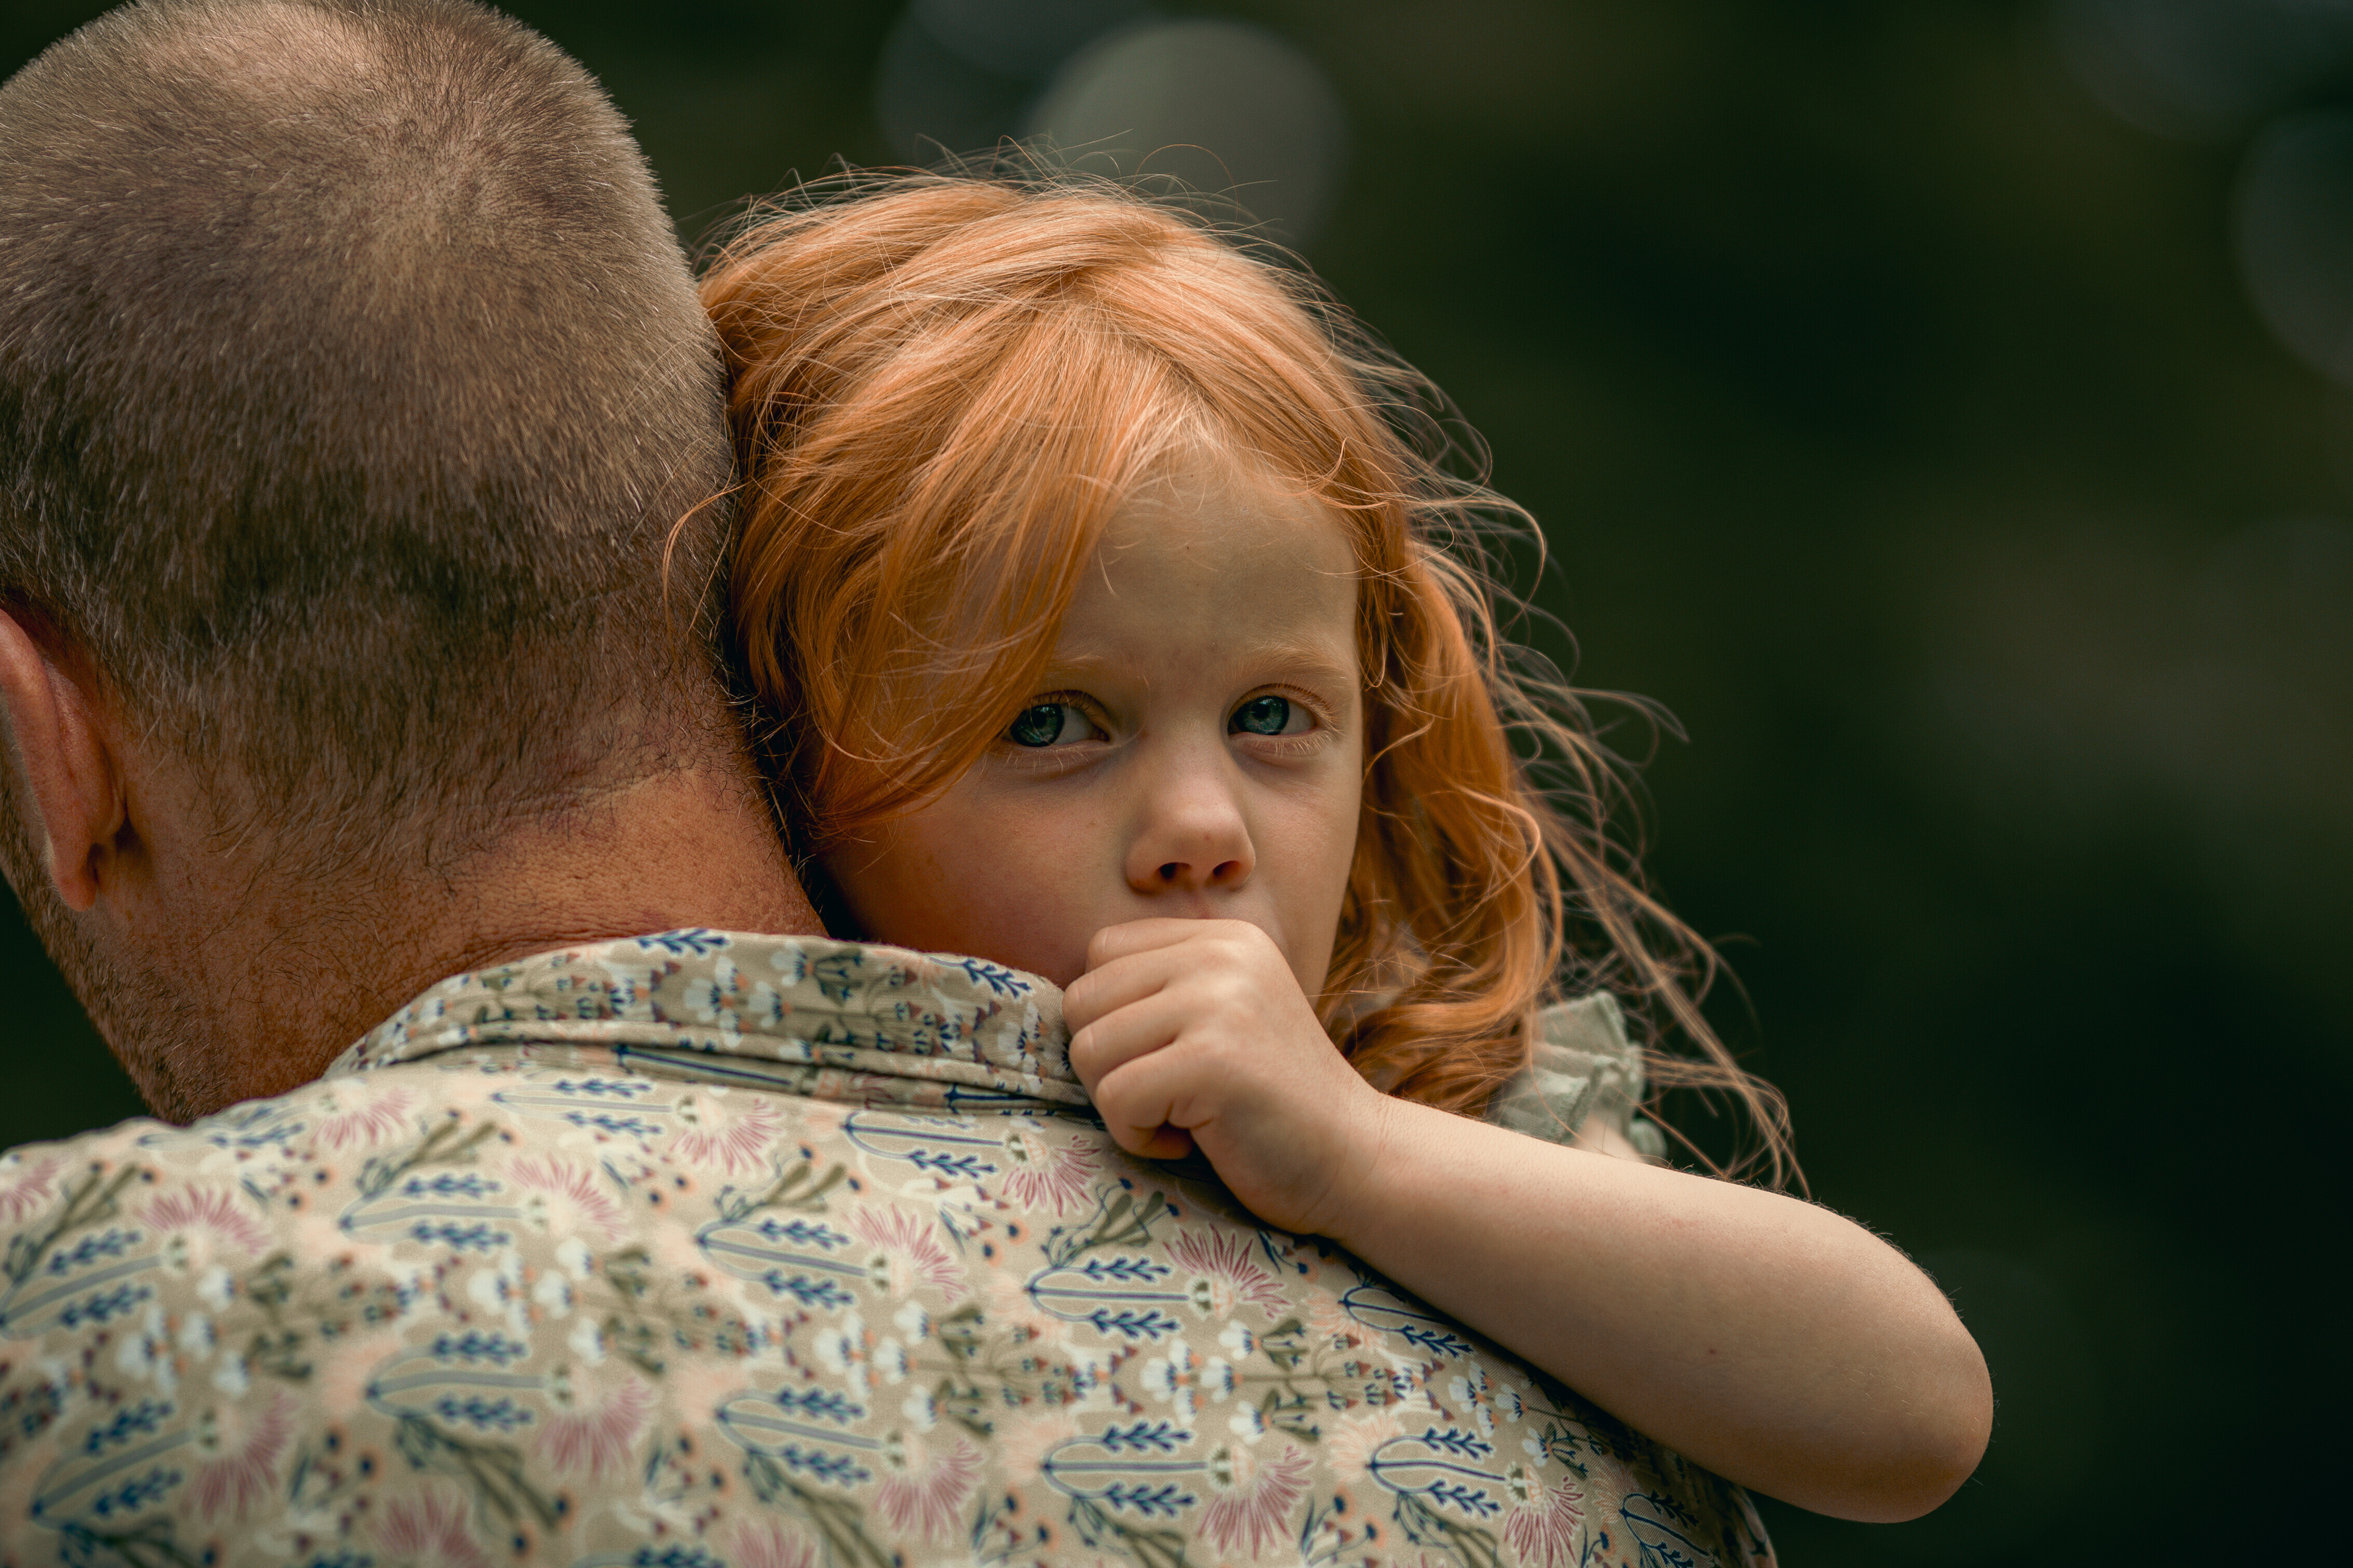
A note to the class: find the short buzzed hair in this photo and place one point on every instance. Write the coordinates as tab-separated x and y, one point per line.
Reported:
352	388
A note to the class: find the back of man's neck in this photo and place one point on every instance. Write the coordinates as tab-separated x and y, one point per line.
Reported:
317	970
681	850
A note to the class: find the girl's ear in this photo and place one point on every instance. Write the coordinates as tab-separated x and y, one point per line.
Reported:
69	787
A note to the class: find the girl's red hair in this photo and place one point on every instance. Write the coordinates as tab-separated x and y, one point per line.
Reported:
942	385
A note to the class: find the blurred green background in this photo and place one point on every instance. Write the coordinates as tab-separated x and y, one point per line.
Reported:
1932	403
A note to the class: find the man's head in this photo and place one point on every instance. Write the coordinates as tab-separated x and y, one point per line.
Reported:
359	438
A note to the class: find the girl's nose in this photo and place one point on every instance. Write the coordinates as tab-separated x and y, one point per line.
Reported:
1193	839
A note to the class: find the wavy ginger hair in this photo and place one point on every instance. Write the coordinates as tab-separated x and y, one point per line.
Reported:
944	385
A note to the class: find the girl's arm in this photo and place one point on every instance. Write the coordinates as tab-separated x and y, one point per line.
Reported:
1780	1345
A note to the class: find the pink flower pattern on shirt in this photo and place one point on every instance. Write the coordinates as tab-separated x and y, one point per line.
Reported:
216	1210
1224	1265
245	1473
589	1440
1544	1524
1252	1502
1042	1175
730	1139
571	1184
367	1124
764	1543
430	1527
911	1251
24	1187
925	1501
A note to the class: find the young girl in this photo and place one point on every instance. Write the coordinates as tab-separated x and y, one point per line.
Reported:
1107	595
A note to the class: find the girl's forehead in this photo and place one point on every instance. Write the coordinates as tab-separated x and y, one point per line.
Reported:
1208	506
1214	570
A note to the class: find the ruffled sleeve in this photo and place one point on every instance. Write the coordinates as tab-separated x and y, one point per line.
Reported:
1583	1071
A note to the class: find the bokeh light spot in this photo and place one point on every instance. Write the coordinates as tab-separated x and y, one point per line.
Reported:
2294	234
1224	108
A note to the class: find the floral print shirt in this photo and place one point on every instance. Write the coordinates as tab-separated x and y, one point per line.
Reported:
699	1249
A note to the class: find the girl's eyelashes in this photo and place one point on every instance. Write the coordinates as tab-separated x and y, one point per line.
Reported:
1052	723
1271	713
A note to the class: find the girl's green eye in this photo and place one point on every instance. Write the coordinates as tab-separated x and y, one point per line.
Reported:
1046	724
1262	716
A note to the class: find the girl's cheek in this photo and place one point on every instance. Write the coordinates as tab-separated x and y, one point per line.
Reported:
1036	871
994	877
1333	836
903	883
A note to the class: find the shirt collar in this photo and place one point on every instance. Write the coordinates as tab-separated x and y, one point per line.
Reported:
793	999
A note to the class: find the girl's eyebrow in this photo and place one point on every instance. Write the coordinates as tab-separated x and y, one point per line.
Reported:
1287	656
1300	657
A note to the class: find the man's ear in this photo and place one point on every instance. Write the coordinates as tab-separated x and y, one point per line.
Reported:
70	786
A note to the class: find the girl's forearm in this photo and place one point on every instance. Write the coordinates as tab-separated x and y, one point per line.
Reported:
1777	1343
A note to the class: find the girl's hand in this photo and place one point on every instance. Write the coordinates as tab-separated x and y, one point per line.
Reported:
1194	1032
